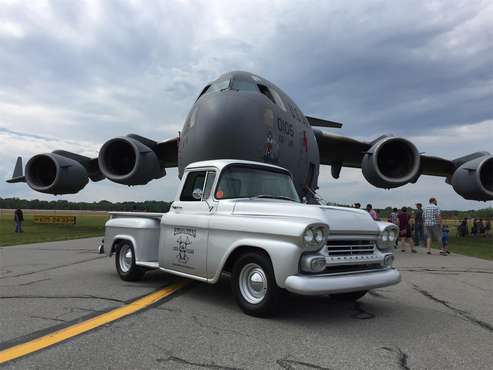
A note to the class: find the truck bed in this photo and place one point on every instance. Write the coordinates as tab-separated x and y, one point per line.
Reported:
136	214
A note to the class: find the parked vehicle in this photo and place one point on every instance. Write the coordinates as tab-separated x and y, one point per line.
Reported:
246	219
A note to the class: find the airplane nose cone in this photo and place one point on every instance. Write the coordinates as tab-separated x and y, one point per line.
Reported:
227	125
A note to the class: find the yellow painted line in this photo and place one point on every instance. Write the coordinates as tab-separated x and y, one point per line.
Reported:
85	326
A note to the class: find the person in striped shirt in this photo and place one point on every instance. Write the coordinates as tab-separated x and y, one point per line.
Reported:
432	222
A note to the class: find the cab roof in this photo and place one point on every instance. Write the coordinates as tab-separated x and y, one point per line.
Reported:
221	163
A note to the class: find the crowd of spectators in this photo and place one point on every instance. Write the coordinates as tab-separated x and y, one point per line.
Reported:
424	225
479	228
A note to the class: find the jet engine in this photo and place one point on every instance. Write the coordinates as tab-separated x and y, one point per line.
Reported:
55	174
474	179
130	160
391	162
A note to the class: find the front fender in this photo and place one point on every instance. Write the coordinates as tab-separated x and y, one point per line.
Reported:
284	256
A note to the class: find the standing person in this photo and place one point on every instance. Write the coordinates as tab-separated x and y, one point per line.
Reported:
487	228
372	213
474	229
18	218
418	225
393	216
481	227
404	230
432	222
357	205
445	232
462	228
377	214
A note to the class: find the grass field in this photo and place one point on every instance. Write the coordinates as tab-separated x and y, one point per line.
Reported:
88	225
469	246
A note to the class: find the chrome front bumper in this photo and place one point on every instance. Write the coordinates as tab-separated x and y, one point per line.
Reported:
327	284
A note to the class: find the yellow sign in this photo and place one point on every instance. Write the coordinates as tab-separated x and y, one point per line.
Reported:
42	219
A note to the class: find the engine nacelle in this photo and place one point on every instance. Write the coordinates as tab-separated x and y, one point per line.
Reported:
391	162
474	179
55	174
128	161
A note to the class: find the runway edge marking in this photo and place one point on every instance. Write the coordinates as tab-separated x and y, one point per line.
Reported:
61	335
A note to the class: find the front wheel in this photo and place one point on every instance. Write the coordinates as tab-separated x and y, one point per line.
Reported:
254	285
125	263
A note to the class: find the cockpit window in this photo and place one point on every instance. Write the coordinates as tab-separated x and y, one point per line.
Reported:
273	96
244	85
278	99
203	91
265	90
219	86
216	86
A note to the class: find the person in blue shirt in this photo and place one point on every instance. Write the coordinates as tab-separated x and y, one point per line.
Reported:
445	232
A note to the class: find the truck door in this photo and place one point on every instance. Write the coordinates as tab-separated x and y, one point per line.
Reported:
186	226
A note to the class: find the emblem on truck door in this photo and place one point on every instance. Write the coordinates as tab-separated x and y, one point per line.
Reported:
184	250
184	244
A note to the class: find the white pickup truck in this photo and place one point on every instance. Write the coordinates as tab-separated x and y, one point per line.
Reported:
246	219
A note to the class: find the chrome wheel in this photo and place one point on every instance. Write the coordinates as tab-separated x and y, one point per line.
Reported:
125	258
253	283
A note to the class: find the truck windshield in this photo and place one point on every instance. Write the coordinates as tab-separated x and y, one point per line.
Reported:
248	182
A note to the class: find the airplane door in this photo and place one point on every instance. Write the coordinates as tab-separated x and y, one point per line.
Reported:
186	227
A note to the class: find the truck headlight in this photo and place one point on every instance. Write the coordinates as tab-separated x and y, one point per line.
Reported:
315	236
387	237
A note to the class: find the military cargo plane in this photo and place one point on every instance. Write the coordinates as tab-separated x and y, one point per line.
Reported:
243	116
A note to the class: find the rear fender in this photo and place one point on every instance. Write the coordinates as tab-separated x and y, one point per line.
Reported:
118	239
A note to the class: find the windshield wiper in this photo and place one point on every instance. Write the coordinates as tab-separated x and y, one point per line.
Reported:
274	197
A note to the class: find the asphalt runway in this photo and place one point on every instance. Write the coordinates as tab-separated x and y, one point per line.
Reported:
439	317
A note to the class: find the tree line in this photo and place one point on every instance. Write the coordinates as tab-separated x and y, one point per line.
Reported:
103	205
162	206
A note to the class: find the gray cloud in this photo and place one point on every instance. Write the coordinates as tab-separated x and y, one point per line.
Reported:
83	72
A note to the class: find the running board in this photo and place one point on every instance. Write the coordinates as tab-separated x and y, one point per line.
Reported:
152	265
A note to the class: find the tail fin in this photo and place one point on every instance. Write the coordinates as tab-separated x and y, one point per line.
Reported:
18	175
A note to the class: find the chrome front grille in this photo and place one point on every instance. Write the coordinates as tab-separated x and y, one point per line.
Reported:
339	248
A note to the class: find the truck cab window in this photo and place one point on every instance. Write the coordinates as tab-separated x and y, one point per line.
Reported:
195	180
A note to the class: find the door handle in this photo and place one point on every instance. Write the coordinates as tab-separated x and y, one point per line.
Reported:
177	207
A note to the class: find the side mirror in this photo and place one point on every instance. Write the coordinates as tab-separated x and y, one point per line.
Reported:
197	194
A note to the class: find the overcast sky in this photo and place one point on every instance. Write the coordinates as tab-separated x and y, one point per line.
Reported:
76	73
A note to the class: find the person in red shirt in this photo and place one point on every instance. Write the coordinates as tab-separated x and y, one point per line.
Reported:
372	212
405	230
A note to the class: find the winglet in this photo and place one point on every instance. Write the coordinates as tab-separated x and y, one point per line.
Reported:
18	175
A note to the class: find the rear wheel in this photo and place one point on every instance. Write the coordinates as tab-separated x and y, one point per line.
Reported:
350	296
125	263
254	285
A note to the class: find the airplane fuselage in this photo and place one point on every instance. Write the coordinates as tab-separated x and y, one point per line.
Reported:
243	116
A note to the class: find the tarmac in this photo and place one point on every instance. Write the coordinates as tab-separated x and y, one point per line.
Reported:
439	317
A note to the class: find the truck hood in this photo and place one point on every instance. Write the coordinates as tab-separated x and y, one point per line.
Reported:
341	220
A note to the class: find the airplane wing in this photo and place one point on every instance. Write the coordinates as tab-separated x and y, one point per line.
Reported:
128	160
319	122
389	162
